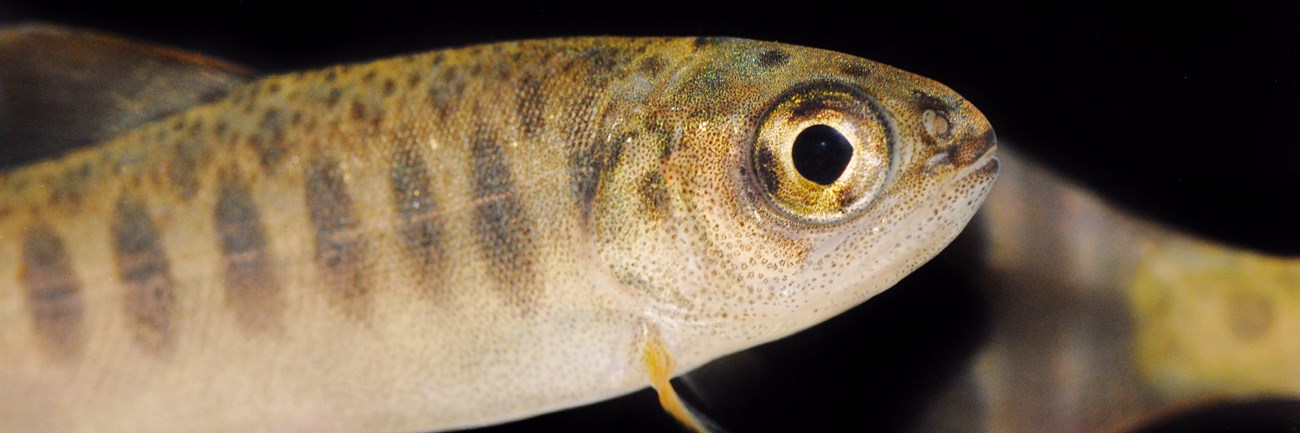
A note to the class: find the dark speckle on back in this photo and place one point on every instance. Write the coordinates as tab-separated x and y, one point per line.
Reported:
705	41
389	87
856	70
652	65
773	57
269	139
332	99
358	111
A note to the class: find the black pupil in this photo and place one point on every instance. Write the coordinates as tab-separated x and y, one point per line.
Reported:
821	153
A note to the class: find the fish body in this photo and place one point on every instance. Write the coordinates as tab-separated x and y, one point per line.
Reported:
463	237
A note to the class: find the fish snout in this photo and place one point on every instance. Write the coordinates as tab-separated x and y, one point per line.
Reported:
976	141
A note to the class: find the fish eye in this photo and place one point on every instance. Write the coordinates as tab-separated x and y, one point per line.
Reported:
822	153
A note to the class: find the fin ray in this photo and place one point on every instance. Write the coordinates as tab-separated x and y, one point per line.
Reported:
660	365
61	89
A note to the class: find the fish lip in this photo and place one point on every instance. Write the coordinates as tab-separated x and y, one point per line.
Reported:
986	163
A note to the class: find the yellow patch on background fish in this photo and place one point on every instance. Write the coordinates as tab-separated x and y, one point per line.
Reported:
1212	318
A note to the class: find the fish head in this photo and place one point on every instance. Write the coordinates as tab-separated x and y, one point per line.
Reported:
799	183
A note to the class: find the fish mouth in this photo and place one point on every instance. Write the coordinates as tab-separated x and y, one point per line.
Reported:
983	147
974	178
984	165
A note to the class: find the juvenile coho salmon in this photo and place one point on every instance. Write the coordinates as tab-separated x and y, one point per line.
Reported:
450	239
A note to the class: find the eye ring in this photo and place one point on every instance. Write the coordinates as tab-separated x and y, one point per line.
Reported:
822	152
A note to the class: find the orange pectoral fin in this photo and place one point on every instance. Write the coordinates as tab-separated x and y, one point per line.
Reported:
659	365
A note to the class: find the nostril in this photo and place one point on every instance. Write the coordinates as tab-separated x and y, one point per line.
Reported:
936	124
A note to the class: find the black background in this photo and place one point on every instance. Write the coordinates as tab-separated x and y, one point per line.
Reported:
1184	112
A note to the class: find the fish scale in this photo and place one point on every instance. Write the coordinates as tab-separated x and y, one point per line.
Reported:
450	239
